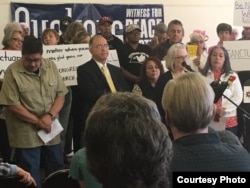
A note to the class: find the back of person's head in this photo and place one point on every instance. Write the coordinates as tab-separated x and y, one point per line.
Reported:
188	102
143	75
161	28
32	45
72	32
171	54
81	38
223	27
197	36
126	143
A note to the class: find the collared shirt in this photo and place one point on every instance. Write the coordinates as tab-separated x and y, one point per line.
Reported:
100	65
206	152
36	92
78	169
234	92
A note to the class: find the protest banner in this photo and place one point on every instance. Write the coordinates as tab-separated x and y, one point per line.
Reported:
66	57
42	16
239	54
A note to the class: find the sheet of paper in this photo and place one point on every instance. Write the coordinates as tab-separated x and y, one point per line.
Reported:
219	126
56	128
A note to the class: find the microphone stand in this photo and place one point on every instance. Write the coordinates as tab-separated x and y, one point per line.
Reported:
245	115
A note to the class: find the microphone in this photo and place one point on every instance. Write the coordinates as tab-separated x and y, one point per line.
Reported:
184	64
219	89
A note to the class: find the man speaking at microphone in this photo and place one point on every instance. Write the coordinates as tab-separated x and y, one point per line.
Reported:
218	69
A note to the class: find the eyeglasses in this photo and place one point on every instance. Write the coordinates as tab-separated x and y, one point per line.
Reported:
135	32
17	40
28	60
105	46
182	57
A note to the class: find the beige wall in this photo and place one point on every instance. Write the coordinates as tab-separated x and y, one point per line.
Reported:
194	14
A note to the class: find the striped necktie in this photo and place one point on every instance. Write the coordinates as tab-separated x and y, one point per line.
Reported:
109	79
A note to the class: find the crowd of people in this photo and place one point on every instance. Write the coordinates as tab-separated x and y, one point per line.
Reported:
130	125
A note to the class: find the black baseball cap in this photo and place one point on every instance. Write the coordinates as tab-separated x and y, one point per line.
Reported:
64	22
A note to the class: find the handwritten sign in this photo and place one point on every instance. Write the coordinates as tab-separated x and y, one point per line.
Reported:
242	13
6	58
66	57
239	54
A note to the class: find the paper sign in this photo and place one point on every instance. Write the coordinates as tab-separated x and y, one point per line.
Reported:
220	125
241	13
192	50
66	57
239	54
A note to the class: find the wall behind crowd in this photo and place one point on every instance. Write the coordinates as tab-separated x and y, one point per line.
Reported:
194	14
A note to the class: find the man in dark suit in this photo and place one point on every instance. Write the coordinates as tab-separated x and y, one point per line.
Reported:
91	80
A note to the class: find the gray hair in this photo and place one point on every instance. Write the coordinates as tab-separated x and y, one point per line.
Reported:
9	29
171	54
73	29
195	37
161	28
92	39
12	26
188	102
123	133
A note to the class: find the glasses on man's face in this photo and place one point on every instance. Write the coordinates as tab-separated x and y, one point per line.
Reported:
29	60
17	40
100	46
135	33
182	57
